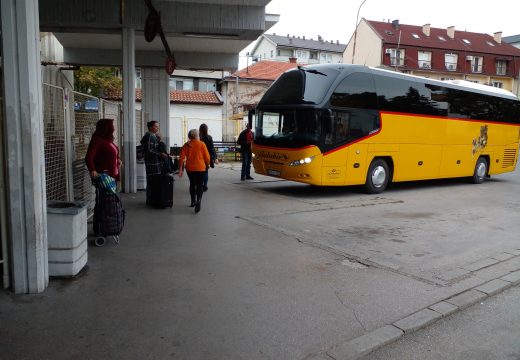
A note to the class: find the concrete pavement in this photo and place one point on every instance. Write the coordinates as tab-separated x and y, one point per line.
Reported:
489	330
274	270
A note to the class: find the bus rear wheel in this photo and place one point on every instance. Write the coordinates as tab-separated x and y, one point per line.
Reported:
377	177
480	172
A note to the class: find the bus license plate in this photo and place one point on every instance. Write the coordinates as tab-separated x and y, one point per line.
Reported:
273	172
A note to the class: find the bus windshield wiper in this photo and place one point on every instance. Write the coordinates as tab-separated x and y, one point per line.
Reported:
312	71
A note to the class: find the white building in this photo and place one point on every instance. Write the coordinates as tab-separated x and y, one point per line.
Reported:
306	51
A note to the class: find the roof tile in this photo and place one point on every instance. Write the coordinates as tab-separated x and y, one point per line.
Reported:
265	70
478	43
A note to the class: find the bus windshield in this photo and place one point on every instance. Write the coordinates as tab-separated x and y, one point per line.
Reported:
304	85
288	128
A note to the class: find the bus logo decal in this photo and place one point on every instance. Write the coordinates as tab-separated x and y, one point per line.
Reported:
481	142
272	156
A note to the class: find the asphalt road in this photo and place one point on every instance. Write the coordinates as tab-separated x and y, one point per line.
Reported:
489	330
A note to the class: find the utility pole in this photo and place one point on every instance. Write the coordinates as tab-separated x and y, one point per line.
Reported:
355	31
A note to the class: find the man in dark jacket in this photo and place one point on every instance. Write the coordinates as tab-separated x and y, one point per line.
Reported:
245	140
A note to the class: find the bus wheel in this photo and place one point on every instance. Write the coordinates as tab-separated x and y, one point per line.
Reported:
481	169
377	177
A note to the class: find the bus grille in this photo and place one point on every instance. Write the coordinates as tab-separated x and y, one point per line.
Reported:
509	158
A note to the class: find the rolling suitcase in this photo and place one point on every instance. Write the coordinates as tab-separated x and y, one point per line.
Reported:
161	193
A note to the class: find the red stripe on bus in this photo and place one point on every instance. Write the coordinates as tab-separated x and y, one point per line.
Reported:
447	118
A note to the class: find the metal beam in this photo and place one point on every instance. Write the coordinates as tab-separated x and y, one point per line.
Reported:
231	20
185	60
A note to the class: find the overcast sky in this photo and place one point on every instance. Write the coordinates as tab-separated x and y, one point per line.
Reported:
336	19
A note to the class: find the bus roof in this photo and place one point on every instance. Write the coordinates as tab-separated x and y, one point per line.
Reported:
457	84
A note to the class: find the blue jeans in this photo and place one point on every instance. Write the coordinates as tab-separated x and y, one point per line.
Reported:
246	164
205	179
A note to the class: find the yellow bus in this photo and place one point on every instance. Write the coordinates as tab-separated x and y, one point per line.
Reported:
337	124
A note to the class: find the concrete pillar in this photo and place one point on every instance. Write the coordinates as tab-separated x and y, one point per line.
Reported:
156	98
129	140
27	223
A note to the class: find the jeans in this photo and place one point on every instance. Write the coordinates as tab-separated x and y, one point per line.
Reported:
205	179
246	164
196	179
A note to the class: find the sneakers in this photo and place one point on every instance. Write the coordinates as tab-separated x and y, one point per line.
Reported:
249	178
204	188
197	206
242	179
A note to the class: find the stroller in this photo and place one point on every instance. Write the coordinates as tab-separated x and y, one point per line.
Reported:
109	216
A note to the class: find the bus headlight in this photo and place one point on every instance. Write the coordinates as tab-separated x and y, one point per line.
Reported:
303	161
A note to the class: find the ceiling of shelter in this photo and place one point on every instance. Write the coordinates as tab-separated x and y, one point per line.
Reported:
206	34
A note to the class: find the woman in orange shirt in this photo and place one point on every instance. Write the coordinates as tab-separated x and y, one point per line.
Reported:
195	159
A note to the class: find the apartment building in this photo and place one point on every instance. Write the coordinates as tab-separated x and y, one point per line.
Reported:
306	51
444	54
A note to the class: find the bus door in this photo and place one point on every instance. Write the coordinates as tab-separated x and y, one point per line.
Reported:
335	125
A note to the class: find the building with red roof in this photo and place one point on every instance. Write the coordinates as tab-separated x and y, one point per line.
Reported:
436	53
243	89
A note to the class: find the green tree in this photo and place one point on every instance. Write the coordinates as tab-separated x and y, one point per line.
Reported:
97	81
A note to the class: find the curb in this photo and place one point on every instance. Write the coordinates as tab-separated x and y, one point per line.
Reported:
365	344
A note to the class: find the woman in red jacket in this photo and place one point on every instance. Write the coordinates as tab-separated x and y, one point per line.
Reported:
103	154
195	158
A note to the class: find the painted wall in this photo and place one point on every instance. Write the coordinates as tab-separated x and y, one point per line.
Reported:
264	49
184	117
368	47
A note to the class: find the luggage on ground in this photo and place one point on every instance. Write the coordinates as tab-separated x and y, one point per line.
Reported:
109	216
161	193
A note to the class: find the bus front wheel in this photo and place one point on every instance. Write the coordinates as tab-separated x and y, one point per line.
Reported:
480	172
377	177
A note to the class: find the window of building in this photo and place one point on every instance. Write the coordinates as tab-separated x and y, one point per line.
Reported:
476	64
415	36
497	84
501	67
313	55
277	52
466	41
272	53
450	61
207	85
181	84
424	59
138	78
302	54
396	57
490	43
441	38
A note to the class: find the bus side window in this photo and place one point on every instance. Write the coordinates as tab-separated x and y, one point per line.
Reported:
328	128
341	126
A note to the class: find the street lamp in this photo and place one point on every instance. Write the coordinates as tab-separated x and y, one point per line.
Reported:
355	31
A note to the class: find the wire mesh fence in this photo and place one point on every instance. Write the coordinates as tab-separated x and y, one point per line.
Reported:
112	110
54	142
84	116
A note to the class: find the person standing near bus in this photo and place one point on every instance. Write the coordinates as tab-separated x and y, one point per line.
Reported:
245	140
208	140
195	158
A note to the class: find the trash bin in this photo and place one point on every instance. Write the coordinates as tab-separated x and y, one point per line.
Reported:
66	237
